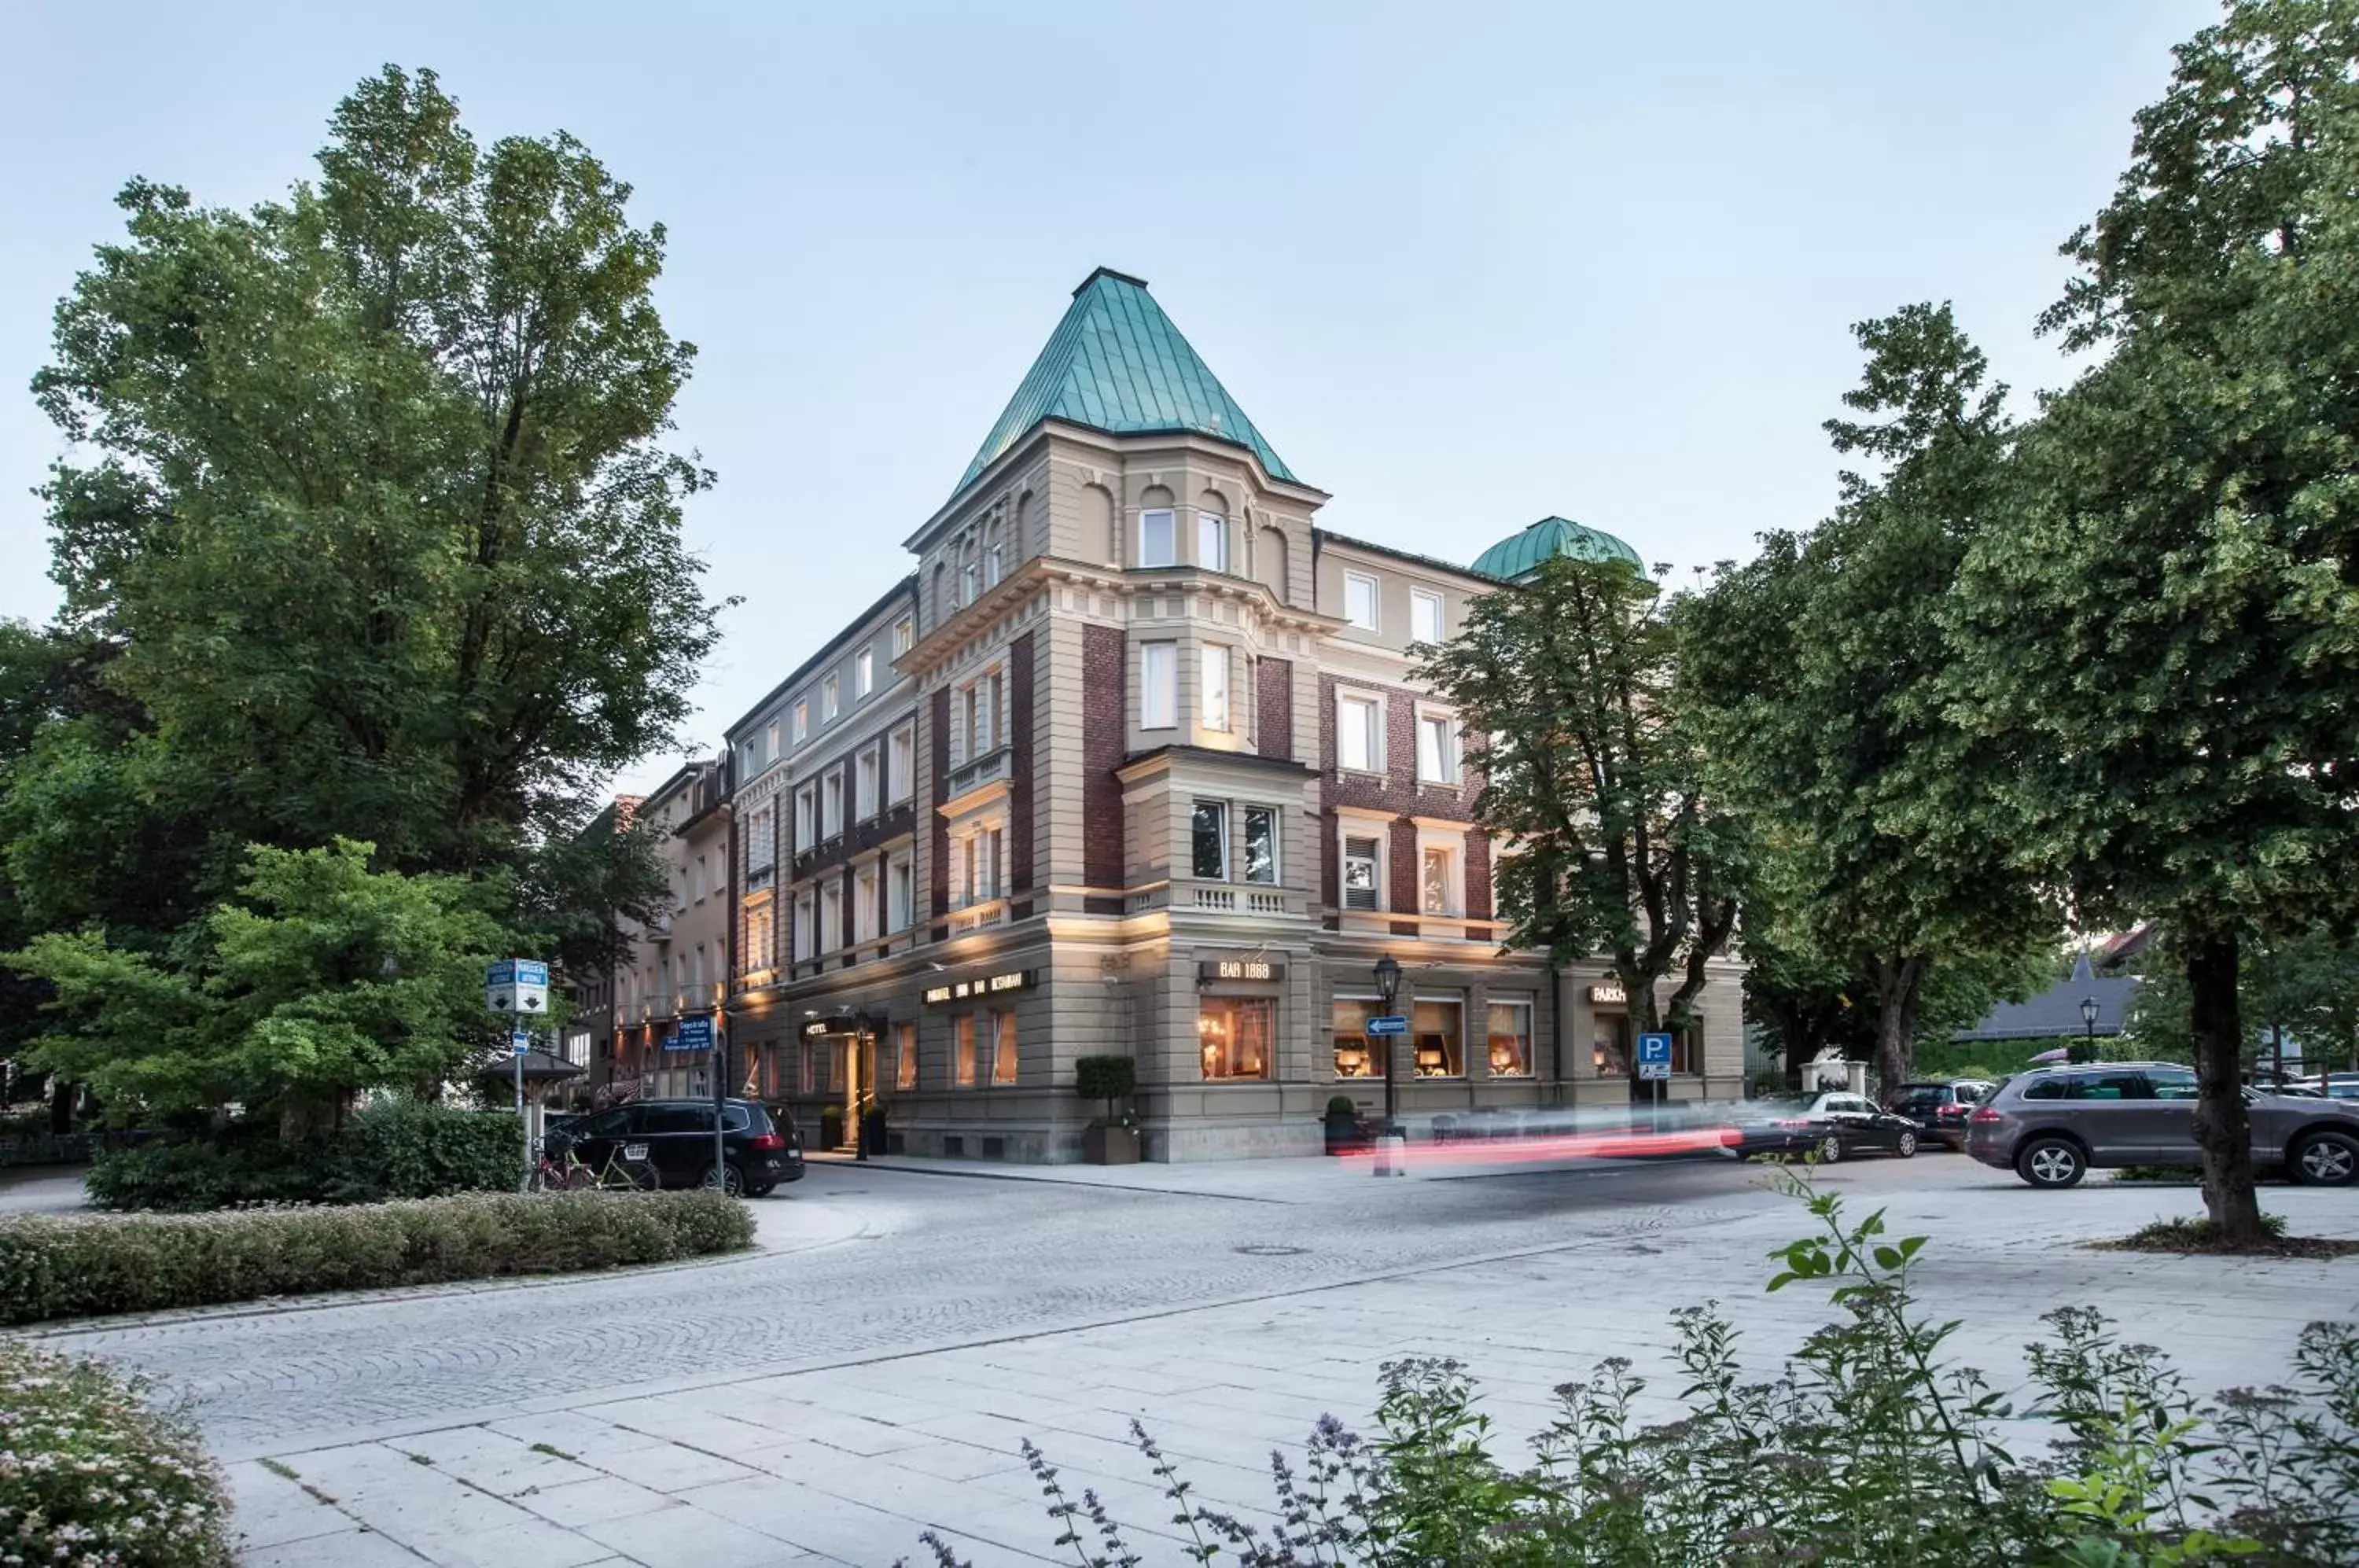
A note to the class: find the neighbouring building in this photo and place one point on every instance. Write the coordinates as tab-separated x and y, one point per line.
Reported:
1131	763
680	964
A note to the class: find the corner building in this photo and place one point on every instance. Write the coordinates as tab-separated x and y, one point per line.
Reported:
1132	764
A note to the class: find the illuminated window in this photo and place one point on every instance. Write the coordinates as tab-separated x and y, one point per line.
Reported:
905	1073
963	1050
1355	1055
1511	1040
1003	1054
1238	1035
1435	1027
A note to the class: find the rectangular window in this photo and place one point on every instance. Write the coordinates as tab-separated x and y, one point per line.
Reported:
864	905
1355	1055
1211	541
806	929
995	708
1003	1052
1440	1048
863	673
963	1050
901	893
905	635
1356	735
1360	600
1261	845
1363	874
970	583
1156	546
802	719
1511	1040
1609	1045
806	818
1238	1035
864	784
901	767
761	846
1158	685
1213	666
986	863
1436	748
831	699
831	917
830	803
773	736
1438	882
810	1074
904	1072
1209	830
1424	616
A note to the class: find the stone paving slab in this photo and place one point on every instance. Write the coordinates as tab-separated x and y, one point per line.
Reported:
845	1460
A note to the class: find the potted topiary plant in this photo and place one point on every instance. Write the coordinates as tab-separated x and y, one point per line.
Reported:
1345	1135
1112	1138
831	1127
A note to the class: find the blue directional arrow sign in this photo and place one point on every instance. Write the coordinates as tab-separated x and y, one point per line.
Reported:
1387	1023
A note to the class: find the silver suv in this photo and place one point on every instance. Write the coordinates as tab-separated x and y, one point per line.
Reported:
2050	1125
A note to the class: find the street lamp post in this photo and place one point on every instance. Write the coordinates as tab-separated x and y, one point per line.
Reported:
2089	1027
1389	1137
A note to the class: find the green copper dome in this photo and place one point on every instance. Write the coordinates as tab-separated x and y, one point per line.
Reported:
1519	555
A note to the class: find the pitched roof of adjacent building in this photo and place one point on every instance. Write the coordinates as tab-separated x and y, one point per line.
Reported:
1519	555
2056	1012
1117	363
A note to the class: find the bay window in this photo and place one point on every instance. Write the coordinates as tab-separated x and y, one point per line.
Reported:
1211	541
1208	840
1261	845
1212	668
1158	685
1157	543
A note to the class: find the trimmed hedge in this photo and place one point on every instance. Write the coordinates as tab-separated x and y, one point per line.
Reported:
89	1473
58	1268
392	1148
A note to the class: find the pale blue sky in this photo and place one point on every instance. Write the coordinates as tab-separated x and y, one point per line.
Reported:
1465	266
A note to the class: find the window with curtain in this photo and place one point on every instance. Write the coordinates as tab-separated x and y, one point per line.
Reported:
1212	663
1357	739
963	1050
1237	1036
1355	1055
1437	1029
1511	1040
1003	1053
905	1068
1158	685
1436	748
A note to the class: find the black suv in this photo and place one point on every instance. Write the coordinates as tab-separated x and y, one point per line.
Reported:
1940	1107
762	1150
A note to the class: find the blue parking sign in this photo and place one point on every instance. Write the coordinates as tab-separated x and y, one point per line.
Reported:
1655	1047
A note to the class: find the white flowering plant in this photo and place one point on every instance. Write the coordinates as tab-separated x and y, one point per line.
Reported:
92	1477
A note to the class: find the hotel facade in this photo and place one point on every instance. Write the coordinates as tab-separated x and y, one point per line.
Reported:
1132	762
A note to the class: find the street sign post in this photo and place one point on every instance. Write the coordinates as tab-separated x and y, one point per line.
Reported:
692	1034
1387	1023
519	1041
519	989
1655	1069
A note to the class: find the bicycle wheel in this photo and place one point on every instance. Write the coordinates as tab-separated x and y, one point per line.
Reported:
630	1176
579	1179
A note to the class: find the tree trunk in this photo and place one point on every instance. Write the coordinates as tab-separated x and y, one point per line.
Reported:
1899	985
2223	1129
61	1102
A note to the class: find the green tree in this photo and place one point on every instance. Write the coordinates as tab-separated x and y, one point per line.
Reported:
1817	670
1563	686
318	979
2165	620
376	522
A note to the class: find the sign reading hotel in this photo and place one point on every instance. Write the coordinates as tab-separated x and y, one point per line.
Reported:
968	990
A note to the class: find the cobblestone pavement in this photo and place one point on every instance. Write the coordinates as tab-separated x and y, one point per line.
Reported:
827	1404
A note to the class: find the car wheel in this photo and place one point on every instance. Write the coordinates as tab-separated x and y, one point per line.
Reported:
1829	1151
1904	1146
2326	1160
731	1180
2054	1162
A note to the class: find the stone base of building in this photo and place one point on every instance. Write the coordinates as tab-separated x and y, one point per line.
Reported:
1203	1139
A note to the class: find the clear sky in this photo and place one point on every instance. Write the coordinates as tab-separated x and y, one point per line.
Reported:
1465	266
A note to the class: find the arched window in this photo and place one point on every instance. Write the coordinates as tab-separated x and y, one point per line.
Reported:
1098	533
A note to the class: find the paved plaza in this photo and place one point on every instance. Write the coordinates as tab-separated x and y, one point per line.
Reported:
870	1371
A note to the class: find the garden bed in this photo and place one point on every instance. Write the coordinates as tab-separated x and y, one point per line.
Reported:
2189	1237
86	1265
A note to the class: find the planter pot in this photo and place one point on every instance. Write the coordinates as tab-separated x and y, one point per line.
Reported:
1347	1135
1110	1145
831	1132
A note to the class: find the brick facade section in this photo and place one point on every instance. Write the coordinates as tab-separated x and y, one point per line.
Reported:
1274	704
942	830
1106	695
1478	878
1023	745
1398	792
1404	876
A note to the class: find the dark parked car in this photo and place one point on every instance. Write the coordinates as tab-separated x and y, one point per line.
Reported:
1938	1107
1835	1126
2051	1127
762	1150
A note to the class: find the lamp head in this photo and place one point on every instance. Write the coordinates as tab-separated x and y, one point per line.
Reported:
1388	974
2089	1011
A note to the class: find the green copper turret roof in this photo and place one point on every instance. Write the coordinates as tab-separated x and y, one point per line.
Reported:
1519	555
1117	363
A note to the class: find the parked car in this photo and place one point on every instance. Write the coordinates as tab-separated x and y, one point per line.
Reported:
1835	1126
1938	1107
2051	1126
761	1149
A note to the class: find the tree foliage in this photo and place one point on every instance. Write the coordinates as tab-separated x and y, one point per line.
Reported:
320	978
1564	689
1816	671
2169	611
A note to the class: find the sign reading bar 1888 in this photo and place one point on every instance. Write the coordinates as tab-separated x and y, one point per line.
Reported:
967	990
1241	969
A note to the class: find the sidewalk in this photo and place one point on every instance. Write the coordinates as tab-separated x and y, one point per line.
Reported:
848	1463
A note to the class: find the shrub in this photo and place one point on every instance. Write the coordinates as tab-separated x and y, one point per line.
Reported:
393	1148
1106	1079
1342	1106
89	1473
1870	1448
55	1268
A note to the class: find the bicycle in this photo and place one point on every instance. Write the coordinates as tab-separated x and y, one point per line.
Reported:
627	1169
